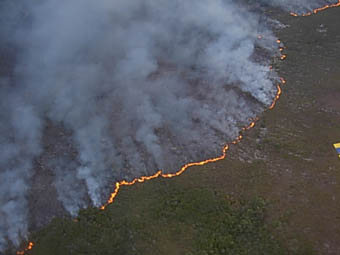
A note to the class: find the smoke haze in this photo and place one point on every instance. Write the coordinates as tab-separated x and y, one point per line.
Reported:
136	85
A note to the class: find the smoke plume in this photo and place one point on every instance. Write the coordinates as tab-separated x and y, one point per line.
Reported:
137	85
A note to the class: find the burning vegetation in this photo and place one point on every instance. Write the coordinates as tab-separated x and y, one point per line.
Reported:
165	174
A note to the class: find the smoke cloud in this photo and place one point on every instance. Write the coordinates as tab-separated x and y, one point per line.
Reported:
138	85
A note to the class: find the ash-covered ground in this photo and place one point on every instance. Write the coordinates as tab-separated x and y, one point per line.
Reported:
93	93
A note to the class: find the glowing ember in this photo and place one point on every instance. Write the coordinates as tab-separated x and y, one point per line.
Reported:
29	247
278	94
317	10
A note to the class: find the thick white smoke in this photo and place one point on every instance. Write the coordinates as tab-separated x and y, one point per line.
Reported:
132	80
140	85
19	143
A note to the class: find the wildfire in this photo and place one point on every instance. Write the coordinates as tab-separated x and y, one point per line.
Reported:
277	97
225	148
29	247
160	174
317	10
283	81
200	163
118	185
186	166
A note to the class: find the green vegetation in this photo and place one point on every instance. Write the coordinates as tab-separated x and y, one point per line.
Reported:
197	222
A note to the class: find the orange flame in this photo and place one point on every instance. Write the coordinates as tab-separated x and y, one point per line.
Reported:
29	247
186	166
277	97
225	148
317	10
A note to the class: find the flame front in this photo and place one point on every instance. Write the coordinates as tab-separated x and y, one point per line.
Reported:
186	166
160	174
317	10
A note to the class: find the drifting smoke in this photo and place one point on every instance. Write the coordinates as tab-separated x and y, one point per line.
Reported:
138	85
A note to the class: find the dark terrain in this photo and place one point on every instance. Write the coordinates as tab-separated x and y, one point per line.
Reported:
277	192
